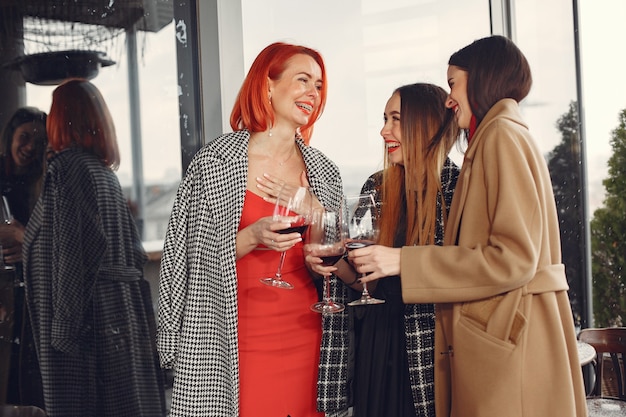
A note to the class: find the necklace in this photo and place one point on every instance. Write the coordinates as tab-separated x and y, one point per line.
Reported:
293	151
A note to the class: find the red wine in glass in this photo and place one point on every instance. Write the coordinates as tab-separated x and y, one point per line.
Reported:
293	205
362	231
330	260
326	241
300	229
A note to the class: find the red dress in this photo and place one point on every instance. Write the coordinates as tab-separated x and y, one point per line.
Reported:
279	335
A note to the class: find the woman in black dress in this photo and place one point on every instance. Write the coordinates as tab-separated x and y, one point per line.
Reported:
22	150
392	374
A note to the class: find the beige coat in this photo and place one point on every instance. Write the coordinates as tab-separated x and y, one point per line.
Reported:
505	342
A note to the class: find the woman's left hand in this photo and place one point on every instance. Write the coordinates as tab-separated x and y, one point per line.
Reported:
376	261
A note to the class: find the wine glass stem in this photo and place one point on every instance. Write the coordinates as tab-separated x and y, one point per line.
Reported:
365	293
279	275
327	289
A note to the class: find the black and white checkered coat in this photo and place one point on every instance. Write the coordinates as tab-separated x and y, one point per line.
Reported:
90	308
197	315
419	319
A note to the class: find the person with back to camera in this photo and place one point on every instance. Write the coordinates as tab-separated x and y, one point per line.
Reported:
21	171
505	342
394	342
90	309
238	347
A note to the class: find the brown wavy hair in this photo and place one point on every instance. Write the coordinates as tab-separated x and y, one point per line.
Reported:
79	117
429	131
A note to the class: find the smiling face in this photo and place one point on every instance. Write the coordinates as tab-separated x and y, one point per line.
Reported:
27	145
296	93
457	99
392	130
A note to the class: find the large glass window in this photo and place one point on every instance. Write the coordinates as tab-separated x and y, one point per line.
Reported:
552	114
370	48
604	93
156	134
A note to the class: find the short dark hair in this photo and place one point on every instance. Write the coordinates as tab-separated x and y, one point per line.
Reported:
496	69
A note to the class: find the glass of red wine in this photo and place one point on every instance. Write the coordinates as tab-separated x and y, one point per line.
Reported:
293	205
326	240
362	231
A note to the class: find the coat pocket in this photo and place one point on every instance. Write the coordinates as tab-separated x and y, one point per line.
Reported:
500	317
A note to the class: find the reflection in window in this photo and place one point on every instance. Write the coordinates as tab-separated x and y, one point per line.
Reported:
552	115
159	128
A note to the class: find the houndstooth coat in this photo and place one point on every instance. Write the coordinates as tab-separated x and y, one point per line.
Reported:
90	308
197	313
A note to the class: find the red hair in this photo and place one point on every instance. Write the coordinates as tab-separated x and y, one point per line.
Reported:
252	109
80	118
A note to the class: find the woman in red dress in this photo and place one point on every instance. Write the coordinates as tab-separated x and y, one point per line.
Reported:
238	347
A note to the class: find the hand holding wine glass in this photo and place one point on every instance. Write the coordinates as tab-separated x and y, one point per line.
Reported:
326	240
293	206
362	231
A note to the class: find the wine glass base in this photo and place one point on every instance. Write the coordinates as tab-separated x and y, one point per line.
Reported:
278	283
328	307
365	301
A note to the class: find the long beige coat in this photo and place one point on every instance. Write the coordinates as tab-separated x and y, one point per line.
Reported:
505	342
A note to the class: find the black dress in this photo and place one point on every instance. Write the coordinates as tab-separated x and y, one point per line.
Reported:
392	370
382	385
24	379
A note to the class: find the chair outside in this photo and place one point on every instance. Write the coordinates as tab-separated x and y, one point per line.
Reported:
609	368
21	411
607	397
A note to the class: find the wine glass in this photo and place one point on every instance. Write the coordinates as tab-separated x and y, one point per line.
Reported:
293	205
362	227
5	212
5	218
326	240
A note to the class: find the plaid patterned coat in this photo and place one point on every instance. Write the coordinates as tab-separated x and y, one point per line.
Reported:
90	308
419	319
197	314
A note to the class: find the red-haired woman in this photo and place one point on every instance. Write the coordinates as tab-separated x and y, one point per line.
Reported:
89	305
239	348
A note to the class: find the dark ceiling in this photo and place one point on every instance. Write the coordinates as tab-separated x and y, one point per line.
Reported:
148	15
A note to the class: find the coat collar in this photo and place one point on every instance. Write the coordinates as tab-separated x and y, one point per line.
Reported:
504	109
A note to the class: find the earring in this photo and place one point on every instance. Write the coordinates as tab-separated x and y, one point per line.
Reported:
270	132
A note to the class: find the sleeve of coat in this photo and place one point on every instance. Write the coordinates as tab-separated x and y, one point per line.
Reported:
503	214
174	274
78	245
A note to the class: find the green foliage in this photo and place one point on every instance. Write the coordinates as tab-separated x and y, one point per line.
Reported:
608	233
564	166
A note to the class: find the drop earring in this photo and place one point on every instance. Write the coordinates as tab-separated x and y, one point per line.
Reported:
269	98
